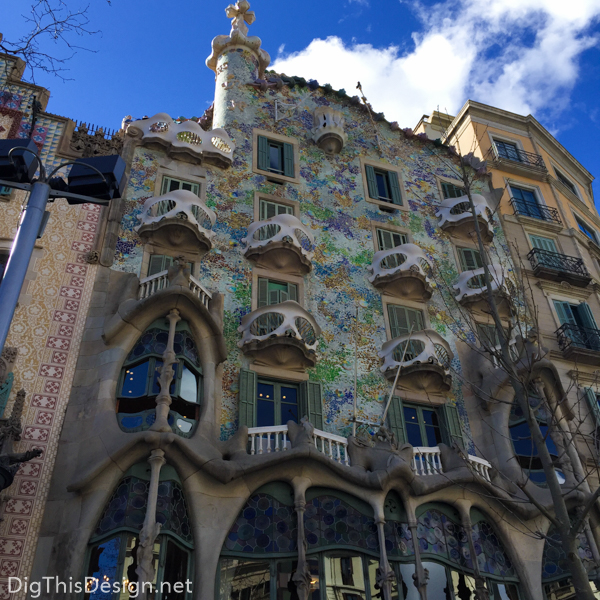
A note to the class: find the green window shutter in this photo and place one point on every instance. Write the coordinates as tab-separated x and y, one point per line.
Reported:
593	405
165	186
288	160
402	318
469	259
247	397
311	403
449	190
385	239
452	429
371	182
395	418
564	312
277	296
263	292
586	316
263	153
543	243
156	264
394	187
293	292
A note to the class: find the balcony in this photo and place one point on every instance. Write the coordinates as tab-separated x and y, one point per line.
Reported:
424	361
401	272
514	160
179	221
281	335
581	344
185	140
159	281
281	243
456	217
534	210
559	267
472	291
426	460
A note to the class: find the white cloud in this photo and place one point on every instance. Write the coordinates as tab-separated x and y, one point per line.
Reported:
519	55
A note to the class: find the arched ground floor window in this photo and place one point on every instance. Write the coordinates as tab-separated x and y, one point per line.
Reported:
112	552
259	557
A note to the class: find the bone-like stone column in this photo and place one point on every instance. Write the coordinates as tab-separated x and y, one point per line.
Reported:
481	591
421	575
163	400
302	575
385	573
151	529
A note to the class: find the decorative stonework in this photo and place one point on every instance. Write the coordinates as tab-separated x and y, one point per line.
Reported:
239	14
457	219
328	131
186	140
96	144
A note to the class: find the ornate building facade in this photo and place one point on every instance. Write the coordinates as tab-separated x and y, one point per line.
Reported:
280	383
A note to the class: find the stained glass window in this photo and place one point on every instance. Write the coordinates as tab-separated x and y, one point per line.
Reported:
127	509
489	552
554	560
265	525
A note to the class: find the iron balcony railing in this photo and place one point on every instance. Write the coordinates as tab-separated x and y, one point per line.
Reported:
535	210
513	154
557	262
575	336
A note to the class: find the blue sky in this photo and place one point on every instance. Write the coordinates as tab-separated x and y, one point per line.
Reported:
528	56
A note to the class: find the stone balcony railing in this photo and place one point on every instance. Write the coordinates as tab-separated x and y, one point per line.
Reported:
425	461
424	360
456	217
471	286
402	272
159	281
179	219
280	243
283	335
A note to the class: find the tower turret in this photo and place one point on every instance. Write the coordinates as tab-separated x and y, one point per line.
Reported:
237	59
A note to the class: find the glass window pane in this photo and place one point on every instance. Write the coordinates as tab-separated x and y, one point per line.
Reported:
406	585
135	380
344	576
275	162
265	405
176	562
103	566
245	579
189	385
437	586
289	405
463	585
286	588
382	188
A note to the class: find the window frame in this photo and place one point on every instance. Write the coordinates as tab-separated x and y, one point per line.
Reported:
281	139
277	385
260	273
259	196
421	422
191	264
449	181
416	306
198	177
584	224
567	182
387	206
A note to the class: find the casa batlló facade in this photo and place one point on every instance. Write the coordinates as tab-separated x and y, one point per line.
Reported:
277	391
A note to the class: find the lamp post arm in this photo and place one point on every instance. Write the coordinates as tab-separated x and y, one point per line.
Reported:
20	255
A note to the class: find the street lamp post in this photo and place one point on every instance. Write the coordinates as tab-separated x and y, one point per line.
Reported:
100	186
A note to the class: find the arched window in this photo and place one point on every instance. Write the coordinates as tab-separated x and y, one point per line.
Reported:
138	385
112	554
556	576
527	454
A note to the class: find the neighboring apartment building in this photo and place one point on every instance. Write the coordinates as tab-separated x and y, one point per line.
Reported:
290	254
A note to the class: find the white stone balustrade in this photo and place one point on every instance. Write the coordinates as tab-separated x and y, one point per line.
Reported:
179	204
406	257
159	281
186	138
453	210
426	346
281	228
287	319
471	285
264	440
426	460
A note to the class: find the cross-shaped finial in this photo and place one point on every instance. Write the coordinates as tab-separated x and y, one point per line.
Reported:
240	15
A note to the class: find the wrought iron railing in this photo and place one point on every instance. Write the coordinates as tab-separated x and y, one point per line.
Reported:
519	156
535	210
557	262
574	336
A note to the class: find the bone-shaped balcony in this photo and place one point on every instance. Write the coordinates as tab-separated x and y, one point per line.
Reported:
401	272
457	219
281	243
178	220
423	358
281	335
472	290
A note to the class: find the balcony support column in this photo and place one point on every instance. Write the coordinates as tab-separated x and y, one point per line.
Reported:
166	374
421	575
301	576
385	573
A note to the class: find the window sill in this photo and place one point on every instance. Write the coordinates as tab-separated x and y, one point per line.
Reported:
386	206
275	177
